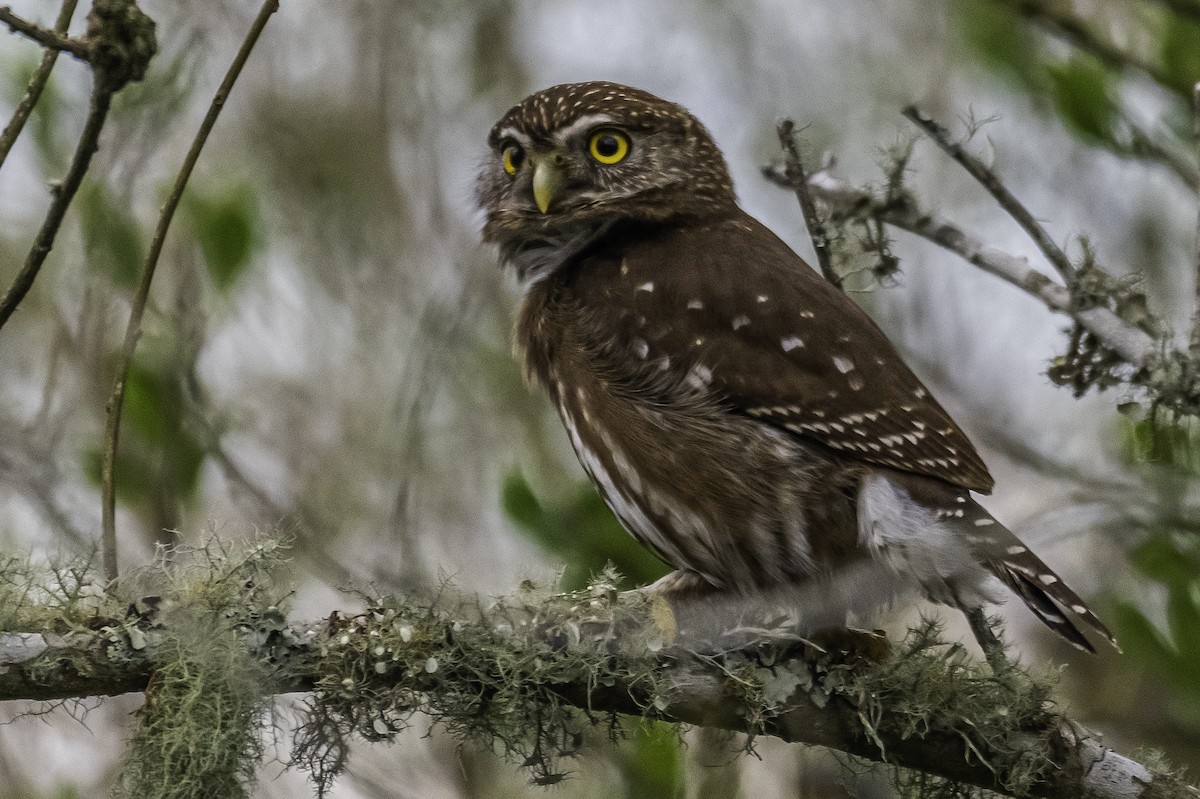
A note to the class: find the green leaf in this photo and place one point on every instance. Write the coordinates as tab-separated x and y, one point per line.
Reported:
226	228
999	39
1159	559
1180	52
519	504
147	393
655	766
1140	638
1183	618
1082	93
580	530
111	237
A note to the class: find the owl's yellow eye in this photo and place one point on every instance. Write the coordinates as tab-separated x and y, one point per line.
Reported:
513	157
608	146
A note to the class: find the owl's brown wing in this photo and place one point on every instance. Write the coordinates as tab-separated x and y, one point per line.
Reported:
745	316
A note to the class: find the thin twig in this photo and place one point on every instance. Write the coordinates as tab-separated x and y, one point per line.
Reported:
1077	34
1194	341
1011	205
37	82
1145	144
794	167
44	36
112	427
63	193
1130	342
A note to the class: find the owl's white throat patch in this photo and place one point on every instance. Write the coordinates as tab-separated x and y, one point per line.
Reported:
536	258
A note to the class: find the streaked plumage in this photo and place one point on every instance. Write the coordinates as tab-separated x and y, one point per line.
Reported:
741	416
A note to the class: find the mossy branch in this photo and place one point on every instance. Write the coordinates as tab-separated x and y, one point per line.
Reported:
526	674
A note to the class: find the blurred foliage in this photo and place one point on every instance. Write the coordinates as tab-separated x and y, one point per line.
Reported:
1169	557
225	225
46	122
1082	92
157	469
1180	52
1072	84
652	763
581	530
111	239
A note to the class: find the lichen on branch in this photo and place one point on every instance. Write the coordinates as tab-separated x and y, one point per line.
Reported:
204	634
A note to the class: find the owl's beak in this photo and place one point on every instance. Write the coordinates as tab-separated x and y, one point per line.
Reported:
548	181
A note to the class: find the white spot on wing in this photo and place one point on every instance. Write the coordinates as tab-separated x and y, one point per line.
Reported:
761	298
699	376
647	286
984	522
740	321
695	305
790	343
641	348
843	364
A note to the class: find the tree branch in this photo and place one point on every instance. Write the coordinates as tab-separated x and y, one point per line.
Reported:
37	82
118	46
604	652
62	194
50	38
133	330
794	169
1134	345
986	178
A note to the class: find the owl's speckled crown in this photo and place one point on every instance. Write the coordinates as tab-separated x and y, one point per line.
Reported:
556	107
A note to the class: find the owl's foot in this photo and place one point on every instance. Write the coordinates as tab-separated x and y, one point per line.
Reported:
852	644
681	585
989	641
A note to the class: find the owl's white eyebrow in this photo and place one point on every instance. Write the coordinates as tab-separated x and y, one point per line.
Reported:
515	135
565	134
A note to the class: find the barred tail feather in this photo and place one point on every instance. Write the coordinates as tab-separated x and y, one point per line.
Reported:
1044	593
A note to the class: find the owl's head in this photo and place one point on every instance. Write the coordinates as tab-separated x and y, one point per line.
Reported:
578	155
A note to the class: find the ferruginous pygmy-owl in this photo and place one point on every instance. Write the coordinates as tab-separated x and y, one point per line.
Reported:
741	416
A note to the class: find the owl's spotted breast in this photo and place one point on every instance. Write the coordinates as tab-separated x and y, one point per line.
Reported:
723	495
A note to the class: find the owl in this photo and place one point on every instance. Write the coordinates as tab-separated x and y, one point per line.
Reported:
741	416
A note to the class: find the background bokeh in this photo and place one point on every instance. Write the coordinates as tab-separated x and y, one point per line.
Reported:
328	354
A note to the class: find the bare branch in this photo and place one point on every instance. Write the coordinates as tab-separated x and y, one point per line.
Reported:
986	178
37	82
120	43
62	194
46	37
1133	344
134	328
794	170
1172	154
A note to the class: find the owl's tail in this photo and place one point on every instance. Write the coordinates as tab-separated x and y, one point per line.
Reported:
1042	591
